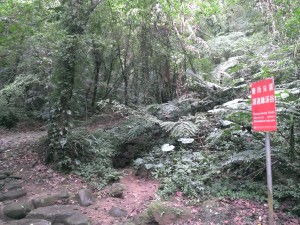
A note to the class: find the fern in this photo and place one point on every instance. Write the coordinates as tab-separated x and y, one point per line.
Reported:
180	128
245	156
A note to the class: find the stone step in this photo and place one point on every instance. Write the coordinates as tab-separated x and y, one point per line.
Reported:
12	194
65	214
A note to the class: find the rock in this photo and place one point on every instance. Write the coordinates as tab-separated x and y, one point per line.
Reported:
17	210
12	194
214	211
15	177
63	194
6	172
117	212
54	214
116	190
12	185
85	197
220	72
3	176
142	172
237	104
2	183
49	200
77	219
126	223
167	111
27	222
162	214
44	201
2	197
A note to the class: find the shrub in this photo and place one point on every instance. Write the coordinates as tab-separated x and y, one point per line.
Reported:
8	118
73	150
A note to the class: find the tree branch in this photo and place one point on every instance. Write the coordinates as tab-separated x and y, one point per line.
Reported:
94	4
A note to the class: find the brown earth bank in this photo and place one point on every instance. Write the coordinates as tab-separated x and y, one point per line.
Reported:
139	200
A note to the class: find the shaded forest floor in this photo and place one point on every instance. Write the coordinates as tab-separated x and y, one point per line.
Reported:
18	154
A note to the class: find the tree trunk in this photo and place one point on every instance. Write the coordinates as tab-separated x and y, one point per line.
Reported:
73	21
144	49
97	62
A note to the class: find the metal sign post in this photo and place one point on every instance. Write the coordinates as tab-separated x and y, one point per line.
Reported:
269	179
264	120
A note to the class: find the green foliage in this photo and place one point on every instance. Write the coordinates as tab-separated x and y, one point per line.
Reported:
144	51
236	68
20	94
181	169
181	128
288	17
242	173
8	120
70	152
290	191
8	116
86	155
113	107
245	156
100	172
235	189
106	145
205	65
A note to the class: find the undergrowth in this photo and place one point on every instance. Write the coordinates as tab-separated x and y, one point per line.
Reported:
8	116
232	164
223	158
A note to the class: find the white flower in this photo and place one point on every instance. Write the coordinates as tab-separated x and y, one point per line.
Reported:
186	140
284	95
167	148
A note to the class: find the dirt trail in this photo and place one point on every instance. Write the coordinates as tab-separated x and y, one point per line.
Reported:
19	156
137	195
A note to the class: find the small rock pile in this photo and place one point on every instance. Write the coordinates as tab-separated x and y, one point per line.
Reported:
40	210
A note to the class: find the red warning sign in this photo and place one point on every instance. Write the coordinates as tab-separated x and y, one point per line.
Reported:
263	106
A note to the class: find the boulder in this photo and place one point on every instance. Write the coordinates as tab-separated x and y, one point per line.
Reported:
163	214
167	111
12	185
63	194
142	172
17	210
27	222
3	176
17	177
85	197
126	223
117	212
214	211
116	190
12	194
49	200
44	201
77	219
1	184
54	214
6	172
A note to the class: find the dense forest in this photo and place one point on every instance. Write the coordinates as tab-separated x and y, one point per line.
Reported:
160	86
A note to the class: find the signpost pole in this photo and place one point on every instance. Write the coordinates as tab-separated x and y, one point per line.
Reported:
269	179
264	120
